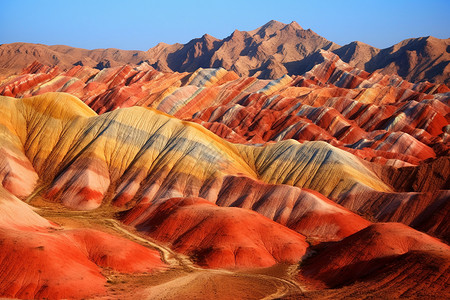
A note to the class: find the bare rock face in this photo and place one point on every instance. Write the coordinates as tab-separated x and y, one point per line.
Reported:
269	51
415	59
357	54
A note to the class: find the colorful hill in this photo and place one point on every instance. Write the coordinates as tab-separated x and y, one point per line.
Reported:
400	127
130	181
151	168
397	262
40	259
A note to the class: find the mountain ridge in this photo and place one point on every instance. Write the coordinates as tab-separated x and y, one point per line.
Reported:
267	52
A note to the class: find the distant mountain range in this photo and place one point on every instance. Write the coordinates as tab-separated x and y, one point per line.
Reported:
269	51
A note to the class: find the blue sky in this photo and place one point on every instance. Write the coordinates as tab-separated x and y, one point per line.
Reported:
139	25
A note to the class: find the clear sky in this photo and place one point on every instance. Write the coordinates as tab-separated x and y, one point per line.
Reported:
140	25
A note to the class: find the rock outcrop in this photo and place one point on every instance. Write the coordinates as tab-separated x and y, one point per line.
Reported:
269	52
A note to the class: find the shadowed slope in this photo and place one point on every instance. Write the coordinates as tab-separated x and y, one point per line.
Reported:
377	117
302	210
140	160
357	54
270	51
380	118
415	59
396	260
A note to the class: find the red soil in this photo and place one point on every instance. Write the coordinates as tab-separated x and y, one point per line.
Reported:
219	237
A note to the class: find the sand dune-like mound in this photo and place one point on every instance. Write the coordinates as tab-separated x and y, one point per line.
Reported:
218	237
368	253
83	154
380	118
42	260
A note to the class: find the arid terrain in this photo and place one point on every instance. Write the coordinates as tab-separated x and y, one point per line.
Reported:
267	52
270	164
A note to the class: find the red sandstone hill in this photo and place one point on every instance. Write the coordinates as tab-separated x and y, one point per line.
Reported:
387	260
41	260
399	128
218	237
207	203
269	51
204	184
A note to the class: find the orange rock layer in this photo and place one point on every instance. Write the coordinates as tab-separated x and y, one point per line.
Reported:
264	166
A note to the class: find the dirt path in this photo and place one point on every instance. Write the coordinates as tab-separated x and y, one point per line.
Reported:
274	286
168	256
284	286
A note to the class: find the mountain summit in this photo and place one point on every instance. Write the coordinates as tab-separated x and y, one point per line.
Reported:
264	52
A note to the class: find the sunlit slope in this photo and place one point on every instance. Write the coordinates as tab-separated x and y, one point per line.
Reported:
313	165
380	118
81	157
41	260
219	237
